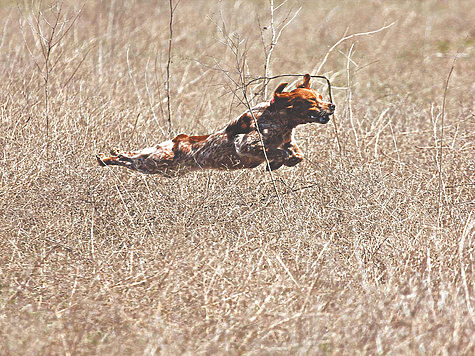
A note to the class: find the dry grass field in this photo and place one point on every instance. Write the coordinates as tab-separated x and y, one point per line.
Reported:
366	248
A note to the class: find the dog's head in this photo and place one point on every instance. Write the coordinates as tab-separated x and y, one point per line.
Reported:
303	104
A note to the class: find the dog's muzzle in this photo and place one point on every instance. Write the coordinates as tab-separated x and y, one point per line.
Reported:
324	116
322	119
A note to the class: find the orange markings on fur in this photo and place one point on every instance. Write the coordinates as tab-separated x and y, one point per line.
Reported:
238	145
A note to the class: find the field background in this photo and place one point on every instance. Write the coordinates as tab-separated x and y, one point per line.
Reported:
363	250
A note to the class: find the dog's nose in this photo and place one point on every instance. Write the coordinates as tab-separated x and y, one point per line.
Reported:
331	107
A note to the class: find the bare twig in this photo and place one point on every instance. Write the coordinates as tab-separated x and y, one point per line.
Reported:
169	61
440	150
150	96
274	39
131	75
469	226
261	139
271	47
56	32
234	45
395	147
349	96
159	86
337	135
76	69
344	38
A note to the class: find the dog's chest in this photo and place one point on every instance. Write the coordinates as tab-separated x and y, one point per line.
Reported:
274	135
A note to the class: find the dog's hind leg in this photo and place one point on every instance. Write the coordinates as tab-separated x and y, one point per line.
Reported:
117	159
107	161
149	160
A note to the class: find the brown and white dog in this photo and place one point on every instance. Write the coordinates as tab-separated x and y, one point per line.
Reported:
239	145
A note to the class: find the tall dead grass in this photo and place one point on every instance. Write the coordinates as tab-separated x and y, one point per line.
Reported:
98	261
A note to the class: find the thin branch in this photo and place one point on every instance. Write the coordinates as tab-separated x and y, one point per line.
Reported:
167	83
76	69
275	39
469	226
242	85
337	135
344	38
159	84
439	199
288	23
349	98
150	96
271	47
134	83
261	139
73	21
29	50
47	42
42	38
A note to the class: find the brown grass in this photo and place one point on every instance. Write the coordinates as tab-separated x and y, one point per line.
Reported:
108	261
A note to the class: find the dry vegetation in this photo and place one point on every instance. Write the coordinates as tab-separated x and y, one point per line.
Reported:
365	252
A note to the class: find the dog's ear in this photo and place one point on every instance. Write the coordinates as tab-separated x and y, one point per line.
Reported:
280	88
280	99
306	82
278	94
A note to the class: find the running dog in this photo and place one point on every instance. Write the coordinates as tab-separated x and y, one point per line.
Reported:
263	133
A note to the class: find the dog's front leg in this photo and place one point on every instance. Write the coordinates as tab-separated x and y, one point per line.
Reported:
250	145
295	154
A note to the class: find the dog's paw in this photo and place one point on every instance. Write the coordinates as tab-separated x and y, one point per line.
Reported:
114	151
100	162
293	160
274	165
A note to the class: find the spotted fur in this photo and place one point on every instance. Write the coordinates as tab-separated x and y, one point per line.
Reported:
239	144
